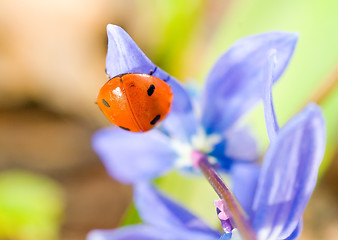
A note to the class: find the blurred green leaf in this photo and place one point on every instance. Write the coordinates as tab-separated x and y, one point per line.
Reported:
174	23
131	216
31	206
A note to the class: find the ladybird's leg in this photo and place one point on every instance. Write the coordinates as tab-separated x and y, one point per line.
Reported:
153	71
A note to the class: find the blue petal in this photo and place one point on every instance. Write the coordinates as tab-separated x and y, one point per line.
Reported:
289	173
124	56
269	111
158	210
238	139
296	233
181	123
131	157
141	232
235	83
233	235
146	232
244	179
225	236
230	148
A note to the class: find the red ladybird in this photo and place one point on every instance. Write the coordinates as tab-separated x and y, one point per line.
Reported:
135	102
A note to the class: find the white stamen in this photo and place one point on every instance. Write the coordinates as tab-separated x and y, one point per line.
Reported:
184	151
200	142
203	142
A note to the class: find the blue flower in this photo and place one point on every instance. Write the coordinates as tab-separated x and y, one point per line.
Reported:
274	195
234	85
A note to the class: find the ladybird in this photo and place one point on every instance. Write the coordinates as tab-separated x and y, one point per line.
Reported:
135	102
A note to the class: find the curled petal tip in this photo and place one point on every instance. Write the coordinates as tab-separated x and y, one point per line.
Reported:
287	36
112	27
312	113
123	55
313	108
115	31
293	36
95	235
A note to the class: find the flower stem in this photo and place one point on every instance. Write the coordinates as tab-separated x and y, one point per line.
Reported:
235	211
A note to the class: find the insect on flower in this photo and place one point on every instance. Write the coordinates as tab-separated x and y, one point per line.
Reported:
274	194
135	102
208	123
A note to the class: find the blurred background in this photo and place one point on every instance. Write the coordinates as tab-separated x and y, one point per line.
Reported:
52	61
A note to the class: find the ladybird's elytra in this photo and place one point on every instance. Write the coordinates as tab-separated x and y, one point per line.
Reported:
135	102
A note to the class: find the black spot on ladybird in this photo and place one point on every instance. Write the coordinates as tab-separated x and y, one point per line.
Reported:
155	120
105	103
151	90
127	129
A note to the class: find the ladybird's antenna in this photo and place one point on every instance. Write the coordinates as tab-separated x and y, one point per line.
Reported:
107	74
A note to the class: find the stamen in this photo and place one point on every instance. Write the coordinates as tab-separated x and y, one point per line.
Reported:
223	216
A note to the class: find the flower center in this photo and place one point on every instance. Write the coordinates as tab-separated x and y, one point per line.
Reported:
200	141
